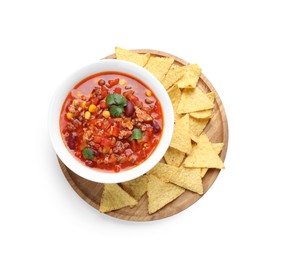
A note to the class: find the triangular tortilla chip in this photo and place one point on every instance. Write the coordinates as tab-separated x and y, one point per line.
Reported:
114	197
203	155
175	72
181	139
190	77
193	100
188	178
123	54
137	187
174	157
217	148
161	193
159	66
202	114
196	127
203	171
163	171
211	96
175	96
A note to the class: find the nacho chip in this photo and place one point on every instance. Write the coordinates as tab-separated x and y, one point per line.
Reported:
218	147
203	155
174	157
202	114
196	127
175	96
137	187
190	77
211	96
123	54
203	171
161	193
114	197
188	178
159	66
181	139
163	171
175	72
193	100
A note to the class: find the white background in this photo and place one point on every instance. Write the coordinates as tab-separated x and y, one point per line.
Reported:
238	44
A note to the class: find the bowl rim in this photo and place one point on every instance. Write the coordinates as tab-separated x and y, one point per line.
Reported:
97	67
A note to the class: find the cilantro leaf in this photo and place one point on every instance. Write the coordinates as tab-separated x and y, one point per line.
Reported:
137	134
110	99
116	99
88	153
120	100
116	111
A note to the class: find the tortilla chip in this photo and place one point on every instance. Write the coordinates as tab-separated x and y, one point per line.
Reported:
114	197
217	148
211	96
175	96
161	193
159	66
196	127
174	157
202	114
163	171
137	187
193	100
190	78
188	178
139	59
203	155
175	72
181	139
203	171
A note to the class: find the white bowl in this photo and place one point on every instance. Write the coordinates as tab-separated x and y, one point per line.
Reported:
93	174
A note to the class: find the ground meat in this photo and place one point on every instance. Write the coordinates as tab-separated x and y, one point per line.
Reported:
73	109
142	115
87	136
71	127
124	134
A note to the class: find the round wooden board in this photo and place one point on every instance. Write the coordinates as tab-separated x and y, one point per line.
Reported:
216	130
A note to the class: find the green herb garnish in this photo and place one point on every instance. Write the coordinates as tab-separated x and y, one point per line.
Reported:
88	153
137	134
116	99
116	111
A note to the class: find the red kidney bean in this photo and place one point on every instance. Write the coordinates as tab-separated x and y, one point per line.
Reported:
72	141
95	151
129	109
156	127
101	82
90	163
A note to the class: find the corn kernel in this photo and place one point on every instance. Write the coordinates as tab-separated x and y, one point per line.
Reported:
79	94
75	102
106	113
149	118
92	108
122	82
69	115
83	104
148	93
87	115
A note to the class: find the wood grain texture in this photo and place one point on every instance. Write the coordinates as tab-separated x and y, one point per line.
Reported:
216	130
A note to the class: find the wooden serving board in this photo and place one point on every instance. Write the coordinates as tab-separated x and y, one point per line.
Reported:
216	130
